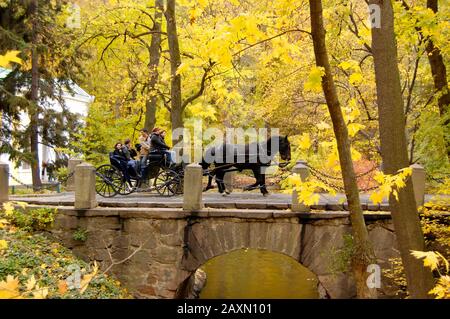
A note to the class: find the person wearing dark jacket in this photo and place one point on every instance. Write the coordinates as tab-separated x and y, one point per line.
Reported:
158	145
118	152
127	151
120	157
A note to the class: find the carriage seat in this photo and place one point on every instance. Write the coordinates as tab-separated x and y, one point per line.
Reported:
155	157
116	162
158	159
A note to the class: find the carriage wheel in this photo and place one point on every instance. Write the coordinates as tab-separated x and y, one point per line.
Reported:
167	183
108	180
126	189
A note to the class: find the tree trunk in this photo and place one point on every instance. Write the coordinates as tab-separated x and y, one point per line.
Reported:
394	150
34	110
363	254
155	55
439	73
176	114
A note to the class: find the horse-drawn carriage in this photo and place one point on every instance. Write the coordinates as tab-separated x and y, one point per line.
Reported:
119	178
167	180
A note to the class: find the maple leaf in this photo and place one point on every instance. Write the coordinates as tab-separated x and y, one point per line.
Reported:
40	293
314	83
62	287
87	278
9	288
355	78
430	259
10	56
31	283
376	197
305	141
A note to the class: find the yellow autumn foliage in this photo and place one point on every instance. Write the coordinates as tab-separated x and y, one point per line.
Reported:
10	56
389	184
436	261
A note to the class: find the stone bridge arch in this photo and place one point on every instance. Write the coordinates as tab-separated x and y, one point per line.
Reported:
309	243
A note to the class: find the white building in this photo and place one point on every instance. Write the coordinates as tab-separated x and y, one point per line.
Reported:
76	102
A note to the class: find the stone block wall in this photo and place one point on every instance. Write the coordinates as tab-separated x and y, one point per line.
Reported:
156	251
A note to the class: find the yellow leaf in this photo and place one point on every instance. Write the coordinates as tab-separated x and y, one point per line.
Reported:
10	56
31	283
8	208
355	78
345	65
305	141
3	244
40	293
314	82
62	287
430	259
3	223
203	3
376	197
350	64
354	128
182	68
9	288
87	278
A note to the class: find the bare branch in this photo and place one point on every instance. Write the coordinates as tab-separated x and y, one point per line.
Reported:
202	86
114	263
269	39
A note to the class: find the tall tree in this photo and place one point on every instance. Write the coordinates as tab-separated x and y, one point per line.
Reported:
363	254
176	113
34	110
439	73
35	28
394	149
155	55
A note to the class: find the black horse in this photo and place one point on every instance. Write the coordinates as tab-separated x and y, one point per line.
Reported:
236	157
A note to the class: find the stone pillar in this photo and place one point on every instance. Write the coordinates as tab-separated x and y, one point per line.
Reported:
303	170
85	186
4	182
418	178
228	179
70	185
193	188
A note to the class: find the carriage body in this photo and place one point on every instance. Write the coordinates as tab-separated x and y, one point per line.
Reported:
118	177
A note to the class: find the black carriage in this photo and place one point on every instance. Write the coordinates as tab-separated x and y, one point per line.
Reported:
119	178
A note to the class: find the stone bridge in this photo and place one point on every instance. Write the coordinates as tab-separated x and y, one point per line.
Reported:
156	244
167	245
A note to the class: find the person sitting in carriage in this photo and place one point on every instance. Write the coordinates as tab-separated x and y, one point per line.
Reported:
130	154
119	159
143	147
158	145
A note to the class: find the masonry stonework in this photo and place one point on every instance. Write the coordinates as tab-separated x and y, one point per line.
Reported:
156	251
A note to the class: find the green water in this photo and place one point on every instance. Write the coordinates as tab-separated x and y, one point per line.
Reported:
252	273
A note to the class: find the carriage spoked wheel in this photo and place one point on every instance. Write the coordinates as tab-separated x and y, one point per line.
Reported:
126	188
108	181
168	183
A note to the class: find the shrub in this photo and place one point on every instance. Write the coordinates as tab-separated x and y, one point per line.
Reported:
80	234
34	266
28	219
